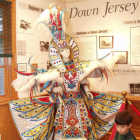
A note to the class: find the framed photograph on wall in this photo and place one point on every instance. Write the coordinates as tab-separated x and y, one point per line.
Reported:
44	46
35	65
105	42
25	25
22	67
21	47
90	51
124	57
134	89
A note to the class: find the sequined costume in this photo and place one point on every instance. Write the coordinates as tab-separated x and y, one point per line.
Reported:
72	115
80	116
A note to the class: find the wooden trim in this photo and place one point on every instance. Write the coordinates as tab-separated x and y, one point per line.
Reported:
1	36
1	66
8	129
6	100
127	96
136	130
10	93
14	58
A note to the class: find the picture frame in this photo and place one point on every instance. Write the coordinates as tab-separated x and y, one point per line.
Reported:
25	25
35	65
124	57
49	65
106	42
21	47
22	67
134	89
44	46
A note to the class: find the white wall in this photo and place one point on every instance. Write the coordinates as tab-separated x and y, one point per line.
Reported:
32	37
121	32
112	22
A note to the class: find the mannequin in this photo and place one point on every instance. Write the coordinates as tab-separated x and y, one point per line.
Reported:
65	53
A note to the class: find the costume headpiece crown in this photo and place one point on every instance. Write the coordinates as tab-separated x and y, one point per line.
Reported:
54	20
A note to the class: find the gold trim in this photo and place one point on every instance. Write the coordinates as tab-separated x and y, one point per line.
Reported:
129	102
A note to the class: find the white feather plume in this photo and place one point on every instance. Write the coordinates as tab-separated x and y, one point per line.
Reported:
19	83
45	18
50	76
63	23
25	83
105	63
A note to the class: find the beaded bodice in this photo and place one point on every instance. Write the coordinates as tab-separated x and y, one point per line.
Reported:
71	76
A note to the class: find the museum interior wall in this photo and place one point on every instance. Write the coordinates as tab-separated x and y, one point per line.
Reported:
98	27
89	23
115	22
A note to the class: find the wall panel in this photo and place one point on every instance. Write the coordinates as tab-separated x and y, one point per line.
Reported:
8	130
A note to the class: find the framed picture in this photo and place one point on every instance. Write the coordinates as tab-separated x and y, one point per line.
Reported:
106	42
22	67
134	89
25	25
35	65
21	47
44	46
124	57
49	65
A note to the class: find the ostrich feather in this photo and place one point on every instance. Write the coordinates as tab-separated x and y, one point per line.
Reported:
43	21
104	63
24	83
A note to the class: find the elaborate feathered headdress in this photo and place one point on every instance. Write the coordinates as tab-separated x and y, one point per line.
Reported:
54	20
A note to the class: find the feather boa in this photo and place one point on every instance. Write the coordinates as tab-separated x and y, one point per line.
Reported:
20	83
25	83
104	63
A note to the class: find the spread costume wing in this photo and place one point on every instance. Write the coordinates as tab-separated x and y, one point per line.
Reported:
101	111
33	122
98	68
34	117
42	77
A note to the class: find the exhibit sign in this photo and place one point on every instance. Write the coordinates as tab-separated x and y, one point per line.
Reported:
134	89
135	46
87	46
123	57
106	42
109	9
22	67
25	25
30	7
